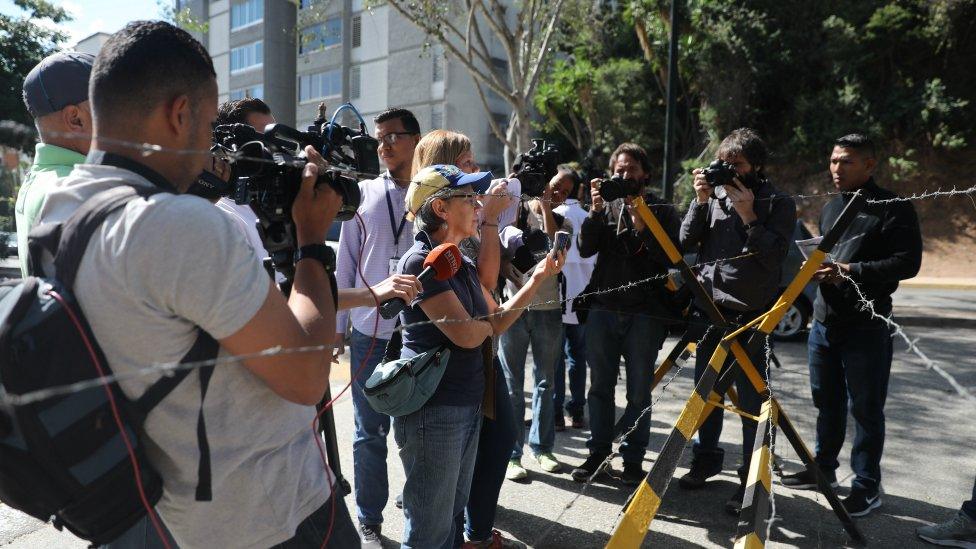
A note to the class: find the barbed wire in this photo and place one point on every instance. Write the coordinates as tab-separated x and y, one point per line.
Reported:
772	440
170	368
868	306
146	149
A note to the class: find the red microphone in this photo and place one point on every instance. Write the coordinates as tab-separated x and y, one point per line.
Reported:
442	263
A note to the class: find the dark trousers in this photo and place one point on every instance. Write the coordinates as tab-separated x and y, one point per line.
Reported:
849	368
494	450
706	451
571	362
969	507
636	338
313	530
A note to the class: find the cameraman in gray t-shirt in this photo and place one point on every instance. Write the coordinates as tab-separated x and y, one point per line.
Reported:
171	264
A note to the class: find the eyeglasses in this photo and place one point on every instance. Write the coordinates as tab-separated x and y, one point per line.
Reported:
471	198
391	138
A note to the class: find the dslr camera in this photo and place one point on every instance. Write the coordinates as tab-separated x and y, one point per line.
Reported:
719	173
536	166
619	187
266	172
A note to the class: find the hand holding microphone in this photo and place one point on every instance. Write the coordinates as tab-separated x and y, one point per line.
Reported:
442	263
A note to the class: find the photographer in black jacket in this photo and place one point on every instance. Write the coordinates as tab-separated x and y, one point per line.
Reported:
628	322
850	349
745	215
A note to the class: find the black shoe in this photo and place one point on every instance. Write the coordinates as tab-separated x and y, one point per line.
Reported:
370	535
734	504
577	420
861	502
805	480
633	474
398	501
589	467
560	422
695	479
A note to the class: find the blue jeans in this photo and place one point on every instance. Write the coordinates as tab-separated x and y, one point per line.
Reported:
636	338
969	507
143	535
706	451
573	359
438	445
369	440
850	367
494	443
544	330
313	530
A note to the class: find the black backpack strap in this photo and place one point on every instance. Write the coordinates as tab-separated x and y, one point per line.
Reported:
79	228
204	348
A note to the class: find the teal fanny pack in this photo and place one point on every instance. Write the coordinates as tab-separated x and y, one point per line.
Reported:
402	386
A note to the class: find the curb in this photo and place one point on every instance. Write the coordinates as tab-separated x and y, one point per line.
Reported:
935	283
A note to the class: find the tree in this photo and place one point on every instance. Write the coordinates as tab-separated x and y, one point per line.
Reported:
23	43
525	31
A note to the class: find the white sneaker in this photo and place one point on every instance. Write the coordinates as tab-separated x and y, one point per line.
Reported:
515	470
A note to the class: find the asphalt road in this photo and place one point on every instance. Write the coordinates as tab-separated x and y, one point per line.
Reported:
929	467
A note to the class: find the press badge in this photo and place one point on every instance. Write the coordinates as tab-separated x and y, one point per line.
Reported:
393	265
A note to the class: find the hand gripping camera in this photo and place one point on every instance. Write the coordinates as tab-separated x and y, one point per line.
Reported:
719	173
536	166
267	171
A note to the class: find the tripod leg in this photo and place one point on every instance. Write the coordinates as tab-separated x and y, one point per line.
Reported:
328	430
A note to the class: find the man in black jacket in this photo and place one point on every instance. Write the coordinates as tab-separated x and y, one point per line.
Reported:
746	216
628	322
849	348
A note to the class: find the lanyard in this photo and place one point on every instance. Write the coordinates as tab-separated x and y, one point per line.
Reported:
393	226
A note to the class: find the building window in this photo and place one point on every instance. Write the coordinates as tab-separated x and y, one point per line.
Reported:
437	117
321	35
438	56
357	31
247	56
355	82
246	12
256	92
319	85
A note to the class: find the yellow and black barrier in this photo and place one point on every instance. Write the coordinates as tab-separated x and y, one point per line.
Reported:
759	485
646	501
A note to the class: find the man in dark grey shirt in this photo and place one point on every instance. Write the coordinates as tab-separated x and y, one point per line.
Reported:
747	216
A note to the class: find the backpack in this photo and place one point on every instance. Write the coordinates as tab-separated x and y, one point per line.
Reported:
65	456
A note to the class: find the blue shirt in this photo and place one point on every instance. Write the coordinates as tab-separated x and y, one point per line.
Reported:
464	379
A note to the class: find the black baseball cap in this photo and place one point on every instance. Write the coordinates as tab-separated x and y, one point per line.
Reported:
59	80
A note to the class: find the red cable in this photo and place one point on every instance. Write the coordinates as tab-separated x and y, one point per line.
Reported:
352	377
118	418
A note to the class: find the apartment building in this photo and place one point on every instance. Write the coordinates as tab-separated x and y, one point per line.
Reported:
295	54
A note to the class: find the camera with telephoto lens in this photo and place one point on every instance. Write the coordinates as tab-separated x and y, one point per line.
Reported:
619	187
266	172
536	166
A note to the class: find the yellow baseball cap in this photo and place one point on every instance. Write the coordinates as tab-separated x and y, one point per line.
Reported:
439	176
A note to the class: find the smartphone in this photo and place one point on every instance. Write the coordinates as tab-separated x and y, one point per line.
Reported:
562	241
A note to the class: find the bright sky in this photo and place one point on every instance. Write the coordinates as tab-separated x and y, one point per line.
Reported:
92	16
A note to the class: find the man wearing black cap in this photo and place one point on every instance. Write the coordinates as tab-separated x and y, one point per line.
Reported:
56	95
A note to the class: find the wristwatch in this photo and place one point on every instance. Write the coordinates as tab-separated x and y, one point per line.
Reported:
320	252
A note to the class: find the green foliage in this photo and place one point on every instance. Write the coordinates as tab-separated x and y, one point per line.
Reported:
802	73
24	40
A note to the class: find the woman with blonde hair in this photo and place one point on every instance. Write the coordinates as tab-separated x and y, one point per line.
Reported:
444	147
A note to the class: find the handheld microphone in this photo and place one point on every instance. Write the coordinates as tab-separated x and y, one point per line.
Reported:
442	263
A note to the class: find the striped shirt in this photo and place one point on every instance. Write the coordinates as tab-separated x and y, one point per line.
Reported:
381	245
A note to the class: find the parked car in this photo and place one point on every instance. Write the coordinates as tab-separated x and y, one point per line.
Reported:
796	321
